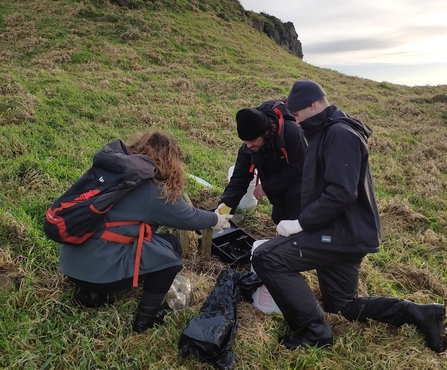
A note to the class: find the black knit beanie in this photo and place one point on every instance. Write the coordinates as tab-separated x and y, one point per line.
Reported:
251	124
303	94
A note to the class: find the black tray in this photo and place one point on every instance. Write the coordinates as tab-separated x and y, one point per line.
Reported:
232	245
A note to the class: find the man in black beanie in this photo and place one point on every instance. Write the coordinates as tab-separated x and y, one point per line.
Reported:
273	147
337	227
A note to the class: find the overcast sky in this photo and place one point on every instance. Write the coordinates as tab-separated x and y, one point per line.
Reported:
399	41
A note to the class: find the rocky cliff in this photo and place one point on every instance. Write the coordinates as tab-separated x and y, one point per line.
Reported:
284	34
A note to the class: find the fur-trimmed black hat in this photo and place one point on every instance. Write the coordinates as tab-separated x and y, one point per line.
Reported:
303	94
251	124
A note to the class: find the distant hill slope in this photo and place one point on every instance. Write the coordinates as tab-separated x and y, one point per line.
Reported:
283	33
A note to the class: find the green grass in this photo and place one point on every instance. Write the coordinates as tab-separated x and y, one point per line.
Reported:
76	74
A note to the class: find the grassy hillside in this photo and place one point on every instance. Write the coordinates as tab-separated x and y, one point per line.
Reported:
76	74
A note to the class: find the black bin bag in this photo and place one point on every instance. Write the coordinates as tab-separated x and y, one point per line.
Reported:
210	334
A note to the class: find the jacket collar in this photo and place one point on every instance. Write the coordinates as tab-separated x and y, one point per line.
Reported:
328	117
318	122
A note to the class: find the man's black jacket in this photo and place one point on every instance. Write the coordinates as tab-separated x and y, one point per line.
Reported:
275	174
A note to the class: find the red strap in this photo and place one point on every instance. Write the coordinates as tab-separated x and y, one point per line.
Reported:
284	151
145	233
117	238
280	119
84	196
121	223
92	207
280	127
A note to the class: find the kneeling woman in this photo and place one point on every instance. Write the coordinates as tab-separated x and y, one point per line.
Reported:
102	265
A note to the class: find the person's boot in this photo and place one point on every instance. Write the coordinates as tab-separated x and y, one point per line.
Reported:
145	318
317	334
429	319
85	298
148	312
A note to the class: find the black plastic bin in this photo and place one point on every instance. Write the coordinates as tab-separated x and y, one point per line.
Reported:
232	245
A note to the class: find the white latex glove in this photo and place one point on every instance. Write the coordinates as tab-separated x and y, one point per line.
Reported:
288	227
222	221
222	209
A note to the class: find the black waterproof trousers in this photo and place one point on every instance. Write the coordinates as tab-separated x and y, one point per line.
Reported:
278	263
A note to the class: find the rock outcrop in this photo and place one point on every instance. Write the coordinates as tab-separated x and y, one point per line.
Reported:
284	34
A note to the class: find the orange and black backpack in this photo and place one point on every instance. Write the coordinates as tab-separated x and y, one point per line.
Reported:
79	212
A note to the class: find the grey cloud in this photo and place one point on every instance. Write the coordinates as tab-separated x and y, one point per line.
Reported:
424	31
409	74
349	45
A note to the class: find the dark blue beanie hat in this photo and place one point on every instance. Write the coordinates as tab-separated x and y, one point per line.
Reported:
303	94
251	123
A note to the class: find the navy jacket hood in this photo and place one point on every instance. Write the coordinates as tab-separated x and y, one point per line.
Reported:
331	115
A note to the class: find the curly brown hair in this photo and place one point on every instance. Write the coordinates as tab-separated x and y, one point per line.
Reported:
168	159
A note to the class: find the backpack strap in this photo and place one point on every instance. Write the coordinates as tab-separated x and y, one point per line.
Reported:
252	170
280	119
118	238
280	138
145	233
280	131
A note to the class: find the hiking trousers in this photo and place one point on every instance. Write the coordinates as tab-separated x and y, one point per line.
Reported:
279	263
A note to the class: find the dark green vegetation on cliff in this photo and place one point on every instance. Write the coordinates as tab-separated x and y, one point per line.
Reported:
76	74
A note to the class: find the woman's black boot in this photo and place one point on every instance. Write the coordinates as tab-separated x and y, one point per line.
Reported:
85	298
145	318
147	312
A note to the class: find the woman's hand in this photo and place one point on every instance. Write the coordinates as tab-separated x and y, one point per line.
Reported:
222	221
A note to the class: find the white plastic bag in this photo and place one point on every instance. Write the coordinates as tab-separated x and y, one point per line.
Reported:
179	293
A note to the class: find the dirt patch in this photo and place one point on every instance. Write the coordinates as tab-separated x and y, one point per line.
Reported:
398	215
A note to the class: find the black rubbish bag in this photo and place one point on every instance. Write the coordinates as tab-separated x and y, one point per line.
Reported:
210	334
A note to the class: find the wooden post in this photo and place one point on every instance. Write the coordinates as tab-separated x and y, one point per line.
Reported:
207	241
185	236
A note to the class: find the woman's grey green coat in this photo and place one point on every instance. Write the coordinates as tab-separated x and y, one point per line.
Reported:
101	261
